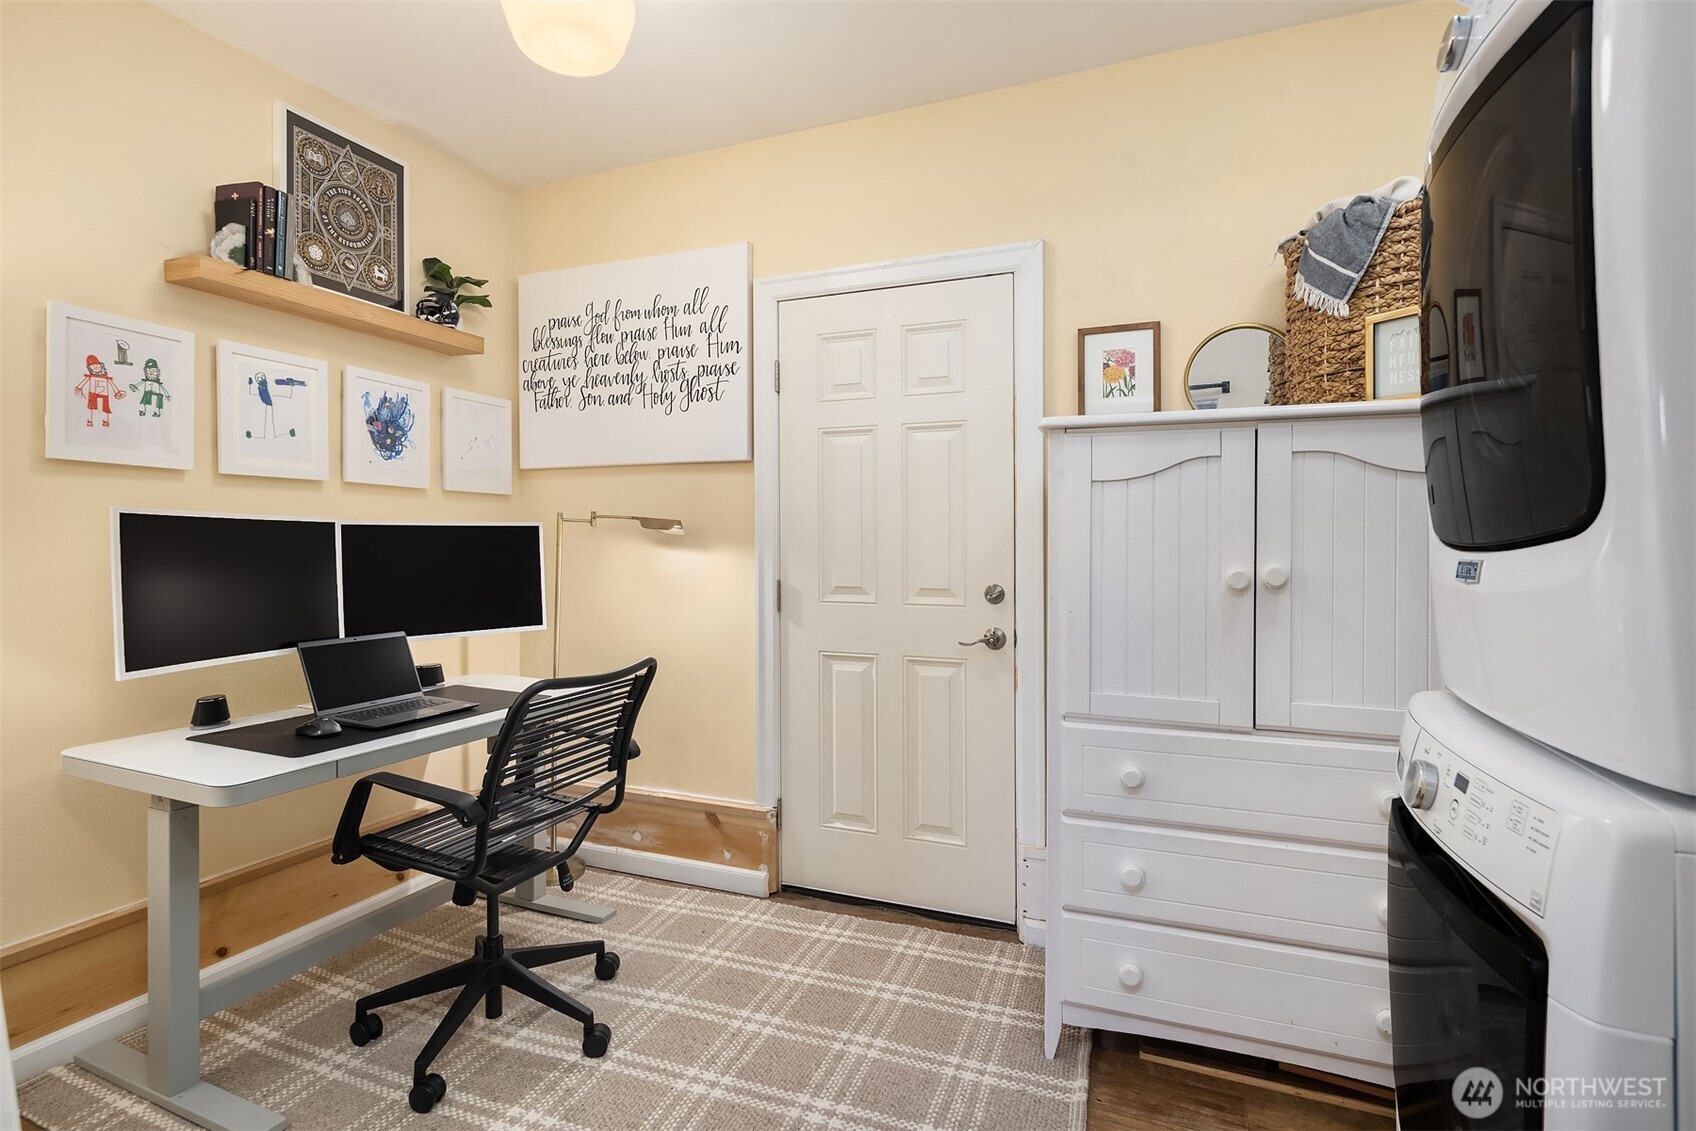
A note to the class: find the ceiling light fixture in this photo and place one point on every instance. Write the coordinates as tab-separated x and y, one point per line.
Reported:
581	38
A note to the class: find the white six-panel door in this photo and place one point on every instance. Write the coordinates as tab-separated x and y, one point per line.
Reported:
1171	558
1342	634
896	413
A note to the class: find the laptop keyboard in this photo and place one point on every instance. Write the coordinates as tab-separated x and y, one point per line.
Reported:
388	710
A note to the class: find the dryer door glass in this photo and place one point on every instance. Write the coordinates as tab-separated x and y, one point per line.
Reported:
1468	992
1513	415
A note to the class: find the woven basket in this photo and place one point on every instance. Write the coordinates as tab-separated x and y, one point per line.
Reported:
1325	356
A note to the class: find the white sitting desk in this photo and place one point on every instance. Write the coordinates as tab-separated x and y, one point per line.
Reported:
181	776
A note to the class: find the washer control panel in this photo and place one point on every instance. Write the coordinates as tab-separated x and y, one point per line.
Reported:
1500	833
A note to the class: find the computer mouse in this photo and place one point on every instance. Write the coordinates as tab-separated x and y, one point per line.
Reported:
318	727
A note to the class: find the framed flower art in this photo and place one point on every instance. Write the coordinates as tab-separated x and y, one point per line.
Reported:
1119	368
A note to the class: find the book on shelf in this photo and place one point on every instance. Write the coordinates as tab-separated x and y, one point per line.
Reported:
268	236
281	261
237	204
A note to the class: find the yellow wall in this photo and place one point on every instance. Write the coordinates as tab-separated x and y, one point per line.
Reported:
116	121
1162	187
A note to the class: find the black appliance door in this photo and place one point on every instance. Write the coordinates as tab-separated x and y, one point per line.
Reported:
1513	417
1468	992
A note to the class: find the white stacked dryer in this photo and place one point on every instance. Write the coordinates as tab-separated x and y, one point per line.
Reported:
1542	917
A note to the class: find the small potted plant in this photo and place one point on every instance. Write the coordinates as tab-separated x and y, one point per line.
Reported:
442	300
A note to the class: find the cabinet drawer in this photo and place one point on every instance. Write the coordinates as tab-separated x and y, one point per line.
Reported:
1331	1003
1306	789
1308	894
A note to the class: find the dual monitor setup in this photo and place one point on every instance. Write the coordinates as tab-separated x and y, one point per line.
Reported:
192	590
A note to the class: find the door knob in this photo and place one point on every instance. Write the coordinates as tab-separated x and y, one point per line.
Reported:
993	639
1274	577
1238	580
994	594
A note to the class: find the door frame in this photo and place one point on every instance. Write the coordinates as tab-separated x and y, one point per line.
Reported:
1023	261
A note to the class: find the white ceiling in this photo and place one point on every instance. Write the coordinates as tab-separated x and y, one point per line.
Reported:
702	73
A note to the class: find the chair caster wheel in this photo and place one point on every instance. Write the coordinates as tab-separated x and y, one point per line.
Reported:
365	1029
606	966
426	1092
596	1038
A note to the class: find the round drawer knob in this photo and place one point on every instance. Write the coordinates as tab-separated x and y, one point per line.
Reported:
1132	778
1384	1022
1238	580
1385	800
1274	577
1383	913
1130	975
1132	877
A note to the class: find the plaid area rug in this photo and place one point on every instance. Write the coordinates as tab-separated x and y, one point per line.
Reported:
728	1012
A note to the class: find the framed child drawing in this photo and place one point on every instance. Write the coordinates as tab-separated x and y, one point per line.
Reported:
1119	368
273	413
118	390
385	429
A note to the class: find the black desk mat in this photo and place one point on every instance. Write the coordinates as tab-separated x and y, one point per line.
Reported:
278	736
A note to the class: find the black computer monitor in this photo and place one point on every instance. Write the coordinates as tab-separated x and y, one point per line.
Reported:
191	590
442	578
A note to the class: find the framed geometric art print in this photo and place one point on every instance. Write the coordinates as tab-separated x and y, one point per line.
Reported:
348	206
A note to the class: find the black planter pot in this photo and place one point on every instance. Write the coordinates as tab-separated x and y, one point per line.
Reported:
438	308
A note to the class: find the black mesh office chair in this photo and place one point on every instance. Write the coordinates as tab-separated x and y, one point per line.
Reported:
561	756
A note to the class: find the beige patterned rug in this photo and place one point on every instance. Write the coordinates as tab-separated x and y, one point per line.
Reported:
728	1012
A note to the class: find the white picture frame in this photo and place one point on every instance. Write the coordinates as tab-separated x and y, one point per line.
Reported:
385	429
643	361
476	443
105	404
273	413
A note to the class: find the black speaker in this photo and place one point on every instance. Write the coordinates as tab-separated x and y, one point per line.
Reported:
430	675
210	711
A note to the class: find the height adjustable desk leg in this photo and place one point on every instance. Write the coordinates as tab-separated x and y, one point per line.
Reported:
534	895
168	1074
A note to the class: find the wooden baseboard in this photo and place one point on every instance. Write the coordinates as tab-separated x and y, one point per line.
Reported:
733	833
66	975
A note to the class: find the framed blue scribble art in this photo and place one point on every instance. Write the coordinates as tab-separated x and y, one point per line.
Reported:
385	429
273	413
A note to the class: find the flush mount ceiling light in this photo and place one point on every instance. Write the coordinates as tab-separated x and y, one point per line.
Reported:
581	38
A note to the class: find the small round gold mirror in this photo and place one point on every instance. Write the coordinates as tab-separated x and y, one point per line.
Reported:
1233	367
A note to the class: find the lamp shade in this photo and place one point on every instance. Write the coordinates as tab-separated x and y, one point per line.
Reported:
581	38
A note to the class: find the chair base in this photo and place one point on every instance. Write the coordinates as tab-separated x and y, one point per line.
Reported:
481	978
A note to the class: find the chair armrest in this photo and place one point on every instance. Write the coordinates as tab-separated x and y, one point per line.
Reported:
465	806
467	810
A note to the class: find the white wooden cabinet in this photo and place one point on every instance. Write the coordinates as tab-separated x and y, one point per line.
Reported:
1238	614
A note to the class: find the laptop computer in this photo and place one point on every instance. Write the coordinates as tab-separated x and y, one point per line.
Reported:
369	682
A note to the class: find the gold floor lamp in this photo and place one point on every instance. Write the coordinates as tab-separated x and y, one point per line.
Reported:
646	522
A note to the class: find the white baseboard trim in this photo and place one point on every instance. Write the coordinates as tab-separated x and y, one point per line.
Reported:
221	978
698	873
1033	932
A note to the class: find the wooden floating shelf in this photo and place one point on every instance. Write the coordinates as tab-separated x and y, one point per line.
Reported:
215	276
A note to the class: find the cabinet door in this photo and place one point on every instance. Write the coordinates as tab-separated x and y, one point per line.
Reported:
1168	634
1342	619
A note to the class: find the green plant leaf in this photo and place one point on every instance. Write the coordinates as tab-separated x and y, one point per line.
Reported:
475	300
440	271
430	264
468	281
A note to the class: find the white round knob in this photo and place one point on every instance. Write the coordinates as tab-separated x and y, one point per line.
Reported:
1383	913
1131	779
1274	577
1383	1020
1238	580
1130	976
1132	877
1385	800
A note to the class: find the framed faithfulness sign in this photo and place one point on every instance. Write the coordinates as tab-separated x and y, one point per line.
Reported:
643	361
1393	356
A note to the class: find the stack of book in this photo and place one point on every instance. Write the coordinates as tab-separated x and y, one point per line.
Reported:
266	216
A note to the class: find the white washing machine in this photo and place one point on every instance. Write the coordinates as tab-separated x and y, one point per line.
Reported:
1542	935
